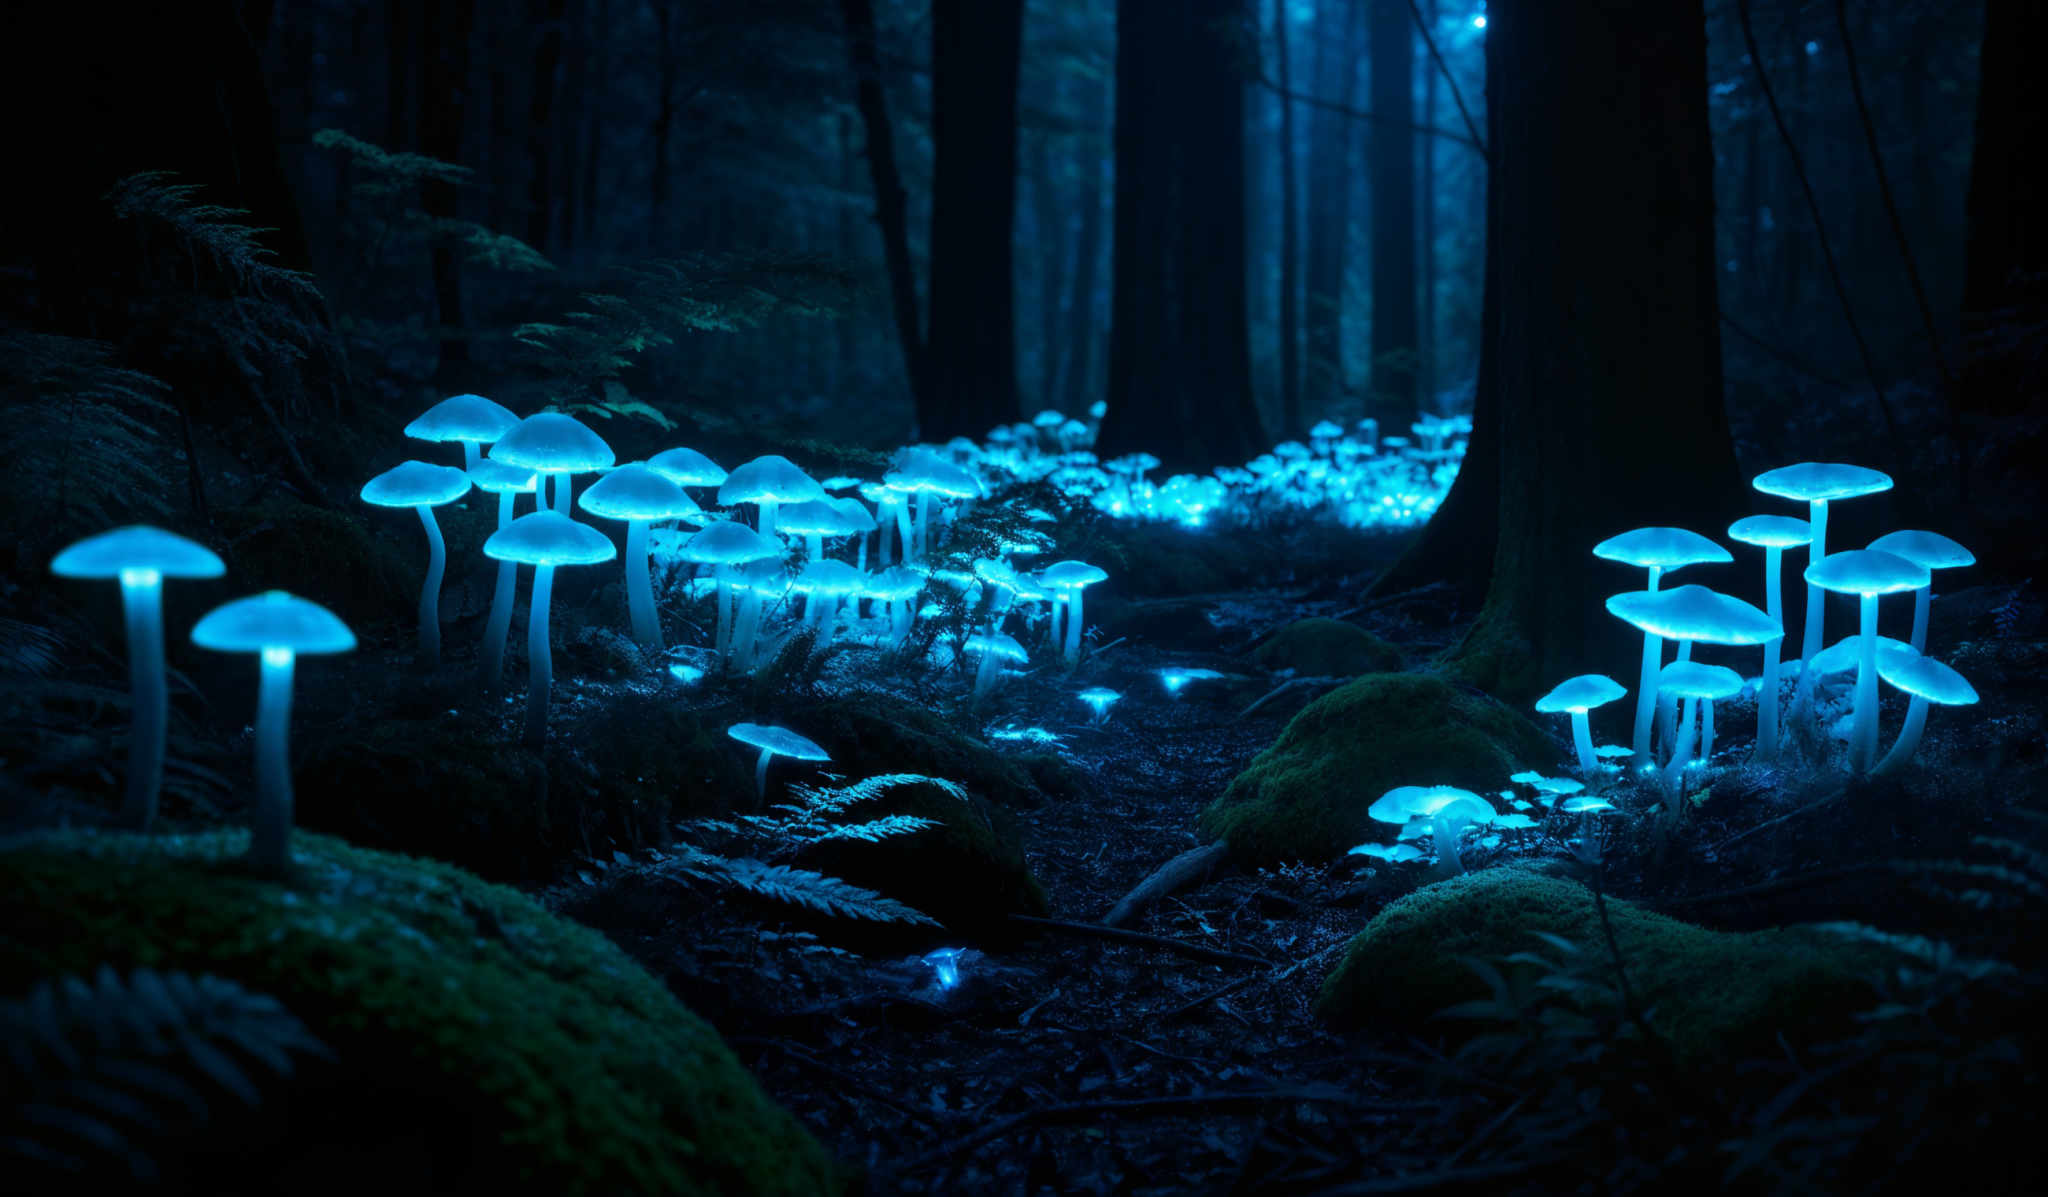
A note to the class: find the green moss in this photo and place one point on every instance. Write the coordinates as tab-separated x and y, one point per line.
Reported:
1305	798
459	1013
1712	994
869	734
328	556
1326	647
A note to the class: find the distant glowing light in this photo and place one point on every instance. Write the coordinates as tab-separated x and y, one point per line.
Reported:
946	963
1029	735
1099	700
686	674
1479	22
1812	48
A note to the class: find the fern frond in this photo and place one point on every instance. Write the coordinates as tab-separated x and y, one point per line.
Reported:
79	435
211	232
876	830
816	891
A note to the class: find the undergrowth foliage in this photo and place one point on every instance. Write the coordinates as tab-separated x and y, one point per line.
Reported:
111	1072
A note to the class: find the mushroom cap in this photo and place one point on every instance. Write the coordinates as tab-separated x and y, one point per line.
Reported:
1391	853
1581	693
499	478
894	584
1695	613
463	418
1666	548
416	484
1585	804
1049	419
1403	803
923	472
137	546
272	619
1177	673
1101	694
768	479
857	513
636	492
765	576
1326	428
1547	785
549	538
1930	549
553	443
1867	572
829	577
1691	679
815	517
729	542
1821	480
1771	531
1071	575
1922	676
1843	654
687	467
778	740
1004	646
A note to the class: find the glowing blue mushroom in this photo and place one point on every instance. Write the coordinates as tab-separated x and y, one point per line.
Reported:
545	540
639	495
773	742
423	486
508	483
1099	700
1866	573
554	444
471	420
1576	696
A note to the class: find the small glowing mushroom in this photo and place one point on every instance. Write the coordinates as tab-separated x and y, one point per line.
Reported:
724	546
1816	483
773	742
545	540
1067	579
1774	534
1699	685
1576	696
687	468
555	444
994	649
508	483
897	586
1932	550
1099	700
925	475
1175	678
1927	680
759	583
276	626
1656	549
1445	811
470	419
141	557
814	520
1688	614
768	482
639	495
1866	573
825	583
423	487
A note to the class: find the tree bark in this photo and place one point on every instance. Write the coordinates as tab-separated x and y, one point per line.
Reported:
547	17
1083	384
1425	340
971	349
1605	349
1290	233
1395	351
891	208
1329	209
443	92
1179	361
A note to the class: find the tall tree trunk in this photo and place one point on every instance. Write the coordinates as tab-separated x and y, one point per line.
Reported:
1329	207
1426	373
403	37
1048	217
658	232
1179	361
1603	297
1085	337
1290	234
891	208
1394	349
547	17
571	144
599	33
971	349
443	92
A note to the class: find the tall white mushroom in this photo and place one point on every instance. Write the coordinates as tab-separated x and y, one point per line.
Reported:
1866	573
423	487
545	540
1932	550
1658	550
639	495
1774	534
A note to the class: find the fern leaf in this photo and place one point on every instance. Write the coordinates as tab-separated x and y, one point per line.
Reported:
816	891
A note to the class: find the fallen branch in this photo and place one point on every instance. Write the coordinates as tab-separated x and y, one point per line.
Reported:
1118	935
1274	978
1291	684
1184	870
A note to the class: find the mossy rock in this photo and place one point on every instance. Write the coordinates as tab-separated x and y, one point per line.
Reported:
967	872
1712	994
330	557
1326	647
480	1045
1305	798
870	734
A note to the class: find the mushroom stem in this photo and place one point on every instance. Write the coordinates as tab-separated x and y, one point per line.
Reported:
430	590
1863	737
502	598
270	829
1667	706
1706	731
1582	739
470	454
1681	752
923	530
540	666
143	610
814	545
564	491
746	629
1074	627
1646	695
1446	832
1816	608
768	509
1909	738
1767	685
1921	599
640	588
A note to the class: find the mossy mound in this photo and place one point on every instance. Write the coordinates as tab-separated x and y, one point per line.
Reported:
1326	647
330	557
1712	994
870	734
1305	798
967	872
479	1044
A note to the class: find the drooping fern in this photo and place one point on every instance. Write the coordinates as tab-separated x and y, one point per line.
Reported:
211	234
801	888
107	1072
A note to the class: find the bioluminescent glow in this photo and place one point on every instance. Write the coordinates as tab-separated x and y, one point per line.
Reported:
1027	735
1174	679
1099	700
945	964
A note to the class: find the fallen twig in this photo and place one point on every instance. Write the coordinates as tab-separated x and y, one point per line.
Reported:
1274	978
1184	870
1290	684
1119	935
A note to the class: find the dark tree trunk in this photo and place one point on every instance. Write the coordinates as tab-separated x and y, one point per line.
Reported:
443	92
1290	235
1603	250
403	36
658	233
1179	364
598	34
1329	209
1085	335
1425	341
1047	215
891	209
1394	348
971	350
570	143
547	17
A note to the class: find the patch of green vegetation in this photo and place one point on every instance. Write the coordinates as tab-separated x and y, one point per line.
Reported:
480	1044
1711	994
870	734
1326	647
328	556
1305	798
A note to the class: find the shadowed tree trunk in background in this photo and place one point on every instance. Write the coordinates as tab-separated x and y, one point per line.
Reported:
1394	348
1290	235
1329	209
1048	217
663	127
597	33
1179	363
1425	339
1083	384
443	92
1603	352
546	16
2005	278
891	209
971	349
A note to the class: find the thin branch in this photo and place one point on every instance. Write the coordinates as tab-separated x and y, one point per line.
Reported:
1820	228
1139	938
1457	96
